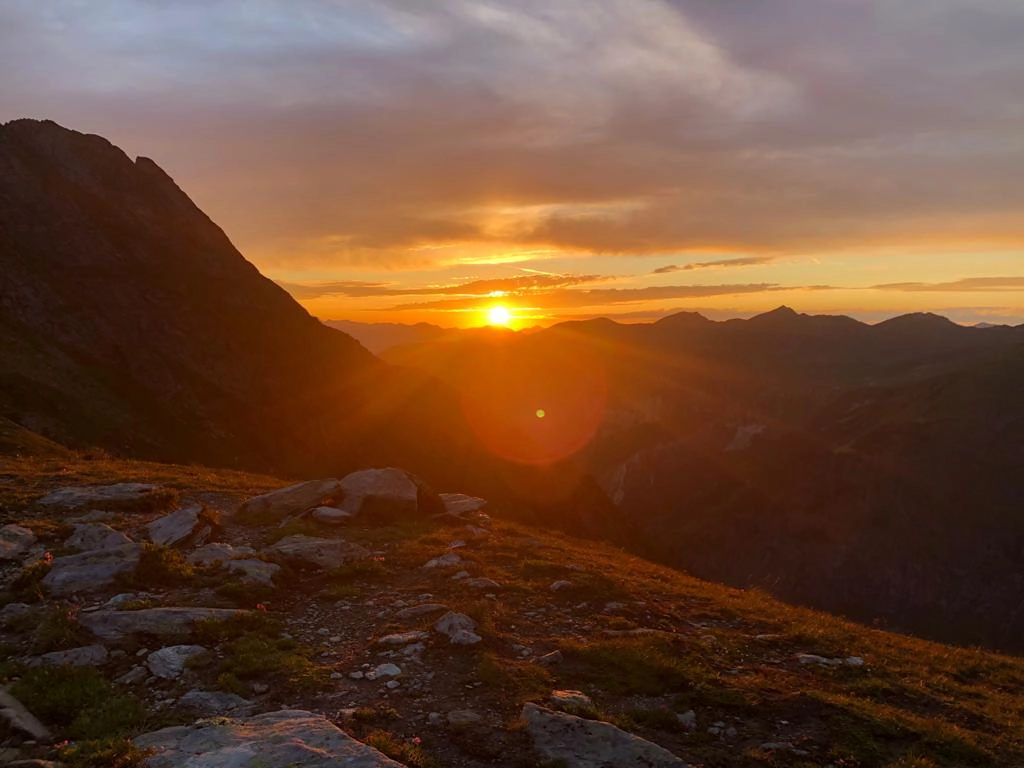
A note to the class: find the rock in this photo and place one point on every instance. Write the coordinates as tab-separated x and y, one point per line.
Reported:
559	585
286	738
688	720
459	628
323	553
127	597
117	495
444	561
477	532
255	571
392	684
15	541
435	719
189	524
17	718
12	611
460	504
583	743
292	500
33	763
89	571
420	610
215	703
86	656
133	676
402	638
464	717
821	661
169	662
332	514
550	659
93	536
572	700
854	661
112	625
482	583
387	492
208	554
383	671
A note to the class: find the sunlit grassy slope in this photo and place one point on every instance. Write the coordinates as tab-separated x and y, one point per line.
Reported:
679	644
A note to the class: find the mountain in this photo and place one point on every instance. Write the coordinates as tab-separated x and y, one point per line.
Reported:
380	337
864	469
129	321
285	654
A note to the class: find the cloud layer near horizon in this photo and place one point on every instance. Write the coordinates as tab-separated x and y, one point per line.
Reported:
392	133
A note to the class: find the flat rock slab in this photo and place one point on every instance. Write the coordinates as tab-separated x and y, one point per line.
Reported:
88	571
86	656
322	553
253	571
293	500
15	541
117	495
291	738
459	504
580	743
92	536
218	551
112	625
215	703
178	527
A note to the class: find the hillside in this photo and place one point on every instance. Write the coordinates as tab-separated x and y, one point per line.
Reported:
867	470
715	676
129	321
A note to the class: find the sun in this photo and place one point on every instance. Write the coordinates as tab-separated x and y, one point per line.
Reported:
499	316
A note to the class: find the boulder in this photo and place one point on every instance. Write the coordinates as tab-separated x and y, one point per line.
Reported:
169	662
112	625
323	553
92	536
86	656
387	492
285	738
15	541
14	715
293	500
332	515
88	571
254	571
186	525
117	495
581	743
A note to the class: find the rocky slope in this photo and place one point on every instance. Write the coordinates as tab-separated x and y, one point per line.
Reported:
353	618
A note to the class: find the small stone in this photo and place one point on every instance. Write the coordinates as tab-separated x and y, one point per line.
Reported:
854	661
571	700
386	670
402	638
336	676
392	684
435	719
559	585
254	571
169	662
420	610
215	703
459	504
259	688
357	675
482	583
460	575
332	515
688	720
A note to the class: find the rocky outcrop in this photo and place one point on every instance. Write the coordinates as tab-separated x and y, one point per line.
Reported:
309	551
286	738
188	525
15	541
93	536
293	500
90	571
100	496
111	625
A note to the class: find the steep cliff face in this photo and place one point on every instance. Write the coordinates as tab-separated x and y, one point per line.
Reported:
128	320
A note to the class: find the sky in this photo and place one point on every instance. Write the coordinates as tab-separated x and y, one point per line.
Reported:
407	161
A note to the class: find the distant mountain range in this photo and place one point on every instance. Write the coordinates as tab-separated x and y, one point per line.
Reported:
868	469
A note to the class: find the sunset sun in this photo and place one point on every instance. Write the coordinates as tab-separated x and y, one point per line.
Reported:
499	316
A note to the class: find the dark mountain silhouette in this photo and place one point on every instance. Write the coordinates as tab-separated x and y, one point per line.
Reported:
129	321
866	469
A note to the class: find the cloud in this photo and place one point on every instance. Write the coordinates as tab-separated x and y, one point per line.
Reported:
967	284
387	134
748	261
519	285
597	297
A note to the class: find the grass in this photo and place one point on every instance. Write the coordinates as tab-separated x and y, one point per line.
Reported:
79	702
403	751
643	665
27	586
58	629
113	752
160	567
